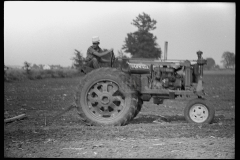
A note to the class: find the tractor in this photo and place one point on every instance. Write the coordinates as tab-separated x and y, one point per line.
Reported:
113	94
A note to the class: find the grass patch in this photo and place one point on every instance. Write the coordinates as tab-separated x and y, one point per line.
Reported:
20	75
219	72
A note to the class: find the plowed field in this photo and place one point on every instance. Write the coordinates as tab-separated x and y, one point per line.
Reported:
67	136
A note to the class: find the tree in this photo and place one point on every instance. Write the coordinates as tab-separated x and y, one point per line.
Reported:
210	63
228	59
35	66
217	67
120	54
78	59
142	43
41	66
27	67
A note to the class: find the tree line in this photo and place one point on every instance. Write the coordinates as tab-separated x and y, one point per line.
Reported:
142	44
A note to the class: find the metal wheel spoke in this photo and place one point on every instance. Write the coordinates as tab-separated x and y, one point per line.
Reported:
97	91
116	110
120	107
92	99
104	111
117	107
104	87
91	91
113	89
98	106
118	98
89	104
105	108
96	111
113	106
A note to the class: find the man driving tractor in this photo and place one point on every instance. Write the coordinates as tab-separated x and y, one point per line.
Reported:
94	53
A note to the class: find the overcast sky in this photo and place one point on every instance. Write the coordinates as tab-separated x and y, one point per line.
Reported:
48	32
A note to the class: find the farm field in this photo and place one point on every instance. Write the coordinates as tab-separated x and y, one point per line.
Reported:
68	137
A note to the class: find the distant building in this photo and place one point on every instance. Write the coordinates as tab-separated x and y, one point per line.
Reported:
221	67
46	67
232	67
25	68
56	67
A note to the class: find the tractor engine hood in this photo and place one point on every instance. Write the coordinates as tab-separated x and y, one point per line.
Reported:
143	65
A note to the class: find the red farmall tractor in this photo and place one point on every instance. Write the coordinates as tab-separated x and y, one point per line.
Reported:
114	95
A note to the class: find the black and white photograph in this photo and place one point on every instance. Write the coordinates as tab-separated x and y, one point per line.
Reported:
119	79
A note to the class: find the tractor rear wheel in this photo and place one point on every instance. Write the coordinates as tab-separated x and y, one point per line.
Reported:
139	107
105	97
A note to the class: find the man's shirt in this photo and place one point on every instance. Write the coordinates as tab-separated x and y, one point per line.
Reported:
92	50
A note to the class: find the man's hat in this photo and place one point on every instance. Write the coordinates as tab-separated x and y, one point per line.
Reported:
95	39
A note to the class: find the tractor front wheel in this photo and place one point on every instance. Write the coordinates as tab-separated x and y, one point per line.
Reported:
197	111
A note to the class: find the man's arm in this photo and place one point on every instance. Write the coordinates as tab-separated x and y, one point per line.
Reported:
102	53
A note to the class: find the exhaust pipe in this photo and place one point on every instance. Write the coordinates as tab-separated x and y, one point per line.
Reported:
165	50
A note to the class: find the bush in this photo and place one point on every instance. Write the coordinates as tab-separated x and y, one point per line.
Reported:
35	74
60	73
15	75
19	74
70	72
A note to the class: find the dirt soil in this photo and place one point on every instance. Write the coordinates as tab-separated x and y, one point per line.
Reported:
39	136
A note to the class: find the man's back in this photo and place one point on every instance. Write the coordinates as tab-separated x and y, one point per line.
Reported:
90	52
